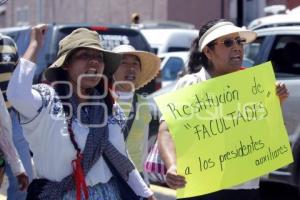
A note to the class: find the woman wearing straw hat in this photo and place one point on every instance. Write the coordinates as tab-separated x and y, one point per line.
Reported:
137	68
218	50
72	124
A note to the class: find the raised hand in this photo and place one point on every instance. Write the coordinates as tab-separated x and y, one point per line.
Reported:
282	91
37	38
38	33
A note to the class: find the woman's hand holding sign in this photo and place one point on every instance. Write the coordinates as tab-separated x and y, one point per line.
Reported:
281	91
173	179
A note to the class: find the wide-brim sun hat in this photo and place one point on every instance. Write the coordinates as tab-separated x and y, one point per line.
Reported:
222	29
150	64
82	38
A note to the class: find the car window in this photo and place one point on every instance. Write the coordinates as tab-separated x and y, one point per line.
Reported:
251	51
171	69
285	54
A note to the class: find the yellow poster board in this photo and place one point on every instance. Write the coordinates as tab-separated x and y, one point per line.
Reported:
227	130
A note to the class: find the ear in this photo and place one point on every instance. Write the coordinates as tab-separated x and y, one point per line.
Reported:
208	52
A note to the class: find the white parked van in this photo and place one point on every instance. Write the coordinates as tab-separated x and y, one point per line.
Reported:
291	18
170	40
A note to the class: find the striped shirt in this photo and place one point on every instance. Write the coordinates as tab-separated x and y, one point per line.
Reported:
8	61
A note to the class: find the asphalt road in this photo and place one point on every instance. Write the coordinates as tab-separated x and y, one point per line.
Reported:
161	193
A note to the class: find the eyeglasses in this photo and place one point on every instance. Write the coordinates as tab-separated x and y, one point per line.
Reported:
230	42
87	56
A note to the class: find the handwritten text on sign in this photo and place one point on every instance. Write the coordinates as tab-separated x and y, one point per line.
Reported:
227	130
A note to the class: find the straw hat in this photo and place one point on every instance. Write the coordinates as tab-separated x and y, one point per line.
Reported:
224	28
82	38
150	64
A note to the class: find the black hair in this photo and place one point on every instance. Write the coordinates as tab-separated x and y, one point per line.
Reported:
198	59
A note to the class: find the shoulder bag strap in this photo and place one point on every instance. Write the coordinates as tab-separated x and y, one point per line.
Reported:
131	117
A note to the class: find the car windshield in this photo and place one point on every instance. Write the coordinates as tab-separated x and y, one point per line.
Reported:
285	54
112	37
171	69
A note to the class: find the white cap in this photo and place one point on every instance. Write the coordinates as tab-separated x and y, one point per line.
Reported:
224	28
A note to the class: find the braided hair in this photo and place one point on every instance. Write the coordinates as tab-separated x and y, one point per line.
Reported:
198	59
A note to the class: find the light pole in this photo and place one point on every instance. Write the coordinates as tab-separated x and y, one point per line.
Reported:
40	7
240	12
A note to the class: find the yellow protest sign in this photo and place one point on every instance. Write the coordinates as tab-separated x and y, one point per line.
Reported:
227	130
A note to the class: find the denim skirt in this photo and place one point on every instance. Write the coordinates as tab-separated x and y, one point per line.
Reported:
100	191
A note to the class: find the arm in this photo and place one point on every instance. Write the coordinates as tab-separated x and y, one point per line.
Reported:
36	42
19	92
139	186
135	181
167	152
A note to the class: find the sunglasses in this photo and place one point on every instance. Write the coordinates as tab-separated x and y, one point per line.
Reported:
230	42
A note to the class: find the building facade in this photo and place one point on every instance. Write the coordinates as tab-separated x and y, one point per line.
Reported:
197	12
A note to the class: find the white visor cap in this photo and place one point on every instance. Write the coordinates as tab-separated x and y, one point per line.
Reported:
224	28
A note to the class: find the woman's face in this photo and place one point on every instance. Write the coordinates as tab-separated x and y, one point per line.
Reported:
226	56
128	71
85	68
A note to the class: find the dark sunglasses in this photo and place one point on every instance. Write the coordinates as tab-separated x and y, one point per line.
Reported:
230	42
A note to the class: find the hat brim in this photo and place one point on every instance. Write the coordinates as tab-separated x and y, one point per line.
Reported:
226	30
150	66
112	61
